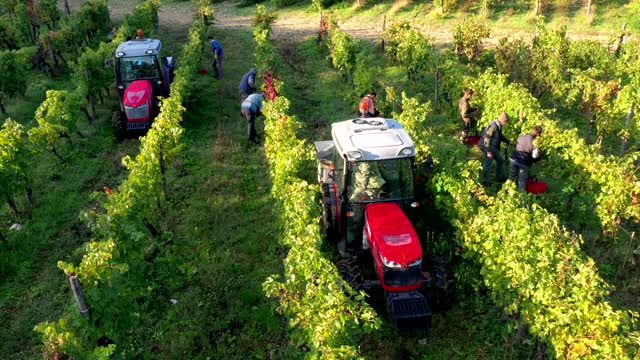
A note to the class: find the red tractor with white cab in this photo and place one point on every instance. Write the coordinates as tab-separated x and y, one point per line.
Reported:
367	176
142	76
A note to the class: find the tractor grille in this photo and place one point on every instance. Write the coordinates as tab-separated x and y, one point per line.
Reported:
137	113
138	125
408	310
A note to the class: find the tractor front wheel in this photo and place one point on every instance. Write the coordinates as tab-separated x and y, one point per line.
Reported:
441	294
351	273
119	124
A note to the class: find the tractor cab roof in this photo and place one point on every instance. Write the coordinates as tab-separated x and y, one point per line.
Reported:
138	47
372	139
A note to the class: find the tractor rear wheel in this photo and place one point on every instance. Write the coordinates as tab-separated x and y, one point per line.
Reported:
328	221
441	294
351	273
119	124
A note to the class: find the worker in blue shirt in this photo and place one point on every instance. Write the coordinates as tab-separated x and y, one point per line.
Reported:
217	54
247	84
250	108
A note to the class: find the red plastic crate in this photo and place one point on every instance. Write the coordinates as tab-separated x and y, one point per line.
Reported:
202	71
473	139
536	187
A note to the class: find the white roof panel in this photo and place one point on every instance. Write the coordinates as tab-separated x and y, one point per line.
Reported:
374	138
380	139
139	47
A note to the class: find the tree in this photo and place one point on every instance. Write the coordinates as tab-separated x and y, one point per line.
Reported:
56	118
48	12
343	51
28	21
13	164
393	37
8	36
468	36
416	53
13	75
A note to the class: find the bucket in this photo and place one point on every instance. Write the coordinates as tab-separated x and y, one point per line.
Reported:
473	139
536	187
202	71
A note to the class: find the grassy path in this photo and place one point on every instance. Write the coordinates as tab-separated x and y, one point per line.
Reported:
225	235
33	289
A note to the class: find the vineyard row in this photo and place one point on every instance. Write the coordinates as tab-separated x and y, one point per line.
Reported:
531	263
327	315
113	266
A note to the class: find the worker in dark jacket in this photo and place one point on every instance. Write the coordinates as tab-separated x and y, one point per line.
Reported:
217	57
251	108
468	114
524	156
490	143
247	84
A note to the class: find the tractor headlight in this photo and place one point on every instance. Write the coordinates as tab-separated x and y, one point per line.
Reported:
406	151
141	107
388	263
354	154
119	54
149	51
395	265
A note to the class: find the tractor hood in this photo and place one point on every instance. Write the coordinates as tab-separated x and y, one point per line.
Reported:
391	233
137	93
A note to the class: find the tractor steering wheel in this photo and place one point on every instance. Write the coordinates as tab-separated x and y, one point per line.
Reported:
373	194
140	74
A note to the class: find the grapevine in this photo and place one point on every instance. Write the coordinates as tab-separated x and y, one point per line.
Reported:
311	292
112	258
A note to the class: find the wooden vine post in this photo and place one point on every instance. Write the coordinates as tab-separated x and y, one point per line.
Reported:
625	139
77	293
13	206
588	9
437	86
52	55
90	98
621	39
321	32
384	28
163	171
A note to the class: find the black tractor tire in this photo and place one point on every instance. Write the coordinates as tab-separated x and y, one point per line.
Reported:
119	124
350	272
328	221
441	294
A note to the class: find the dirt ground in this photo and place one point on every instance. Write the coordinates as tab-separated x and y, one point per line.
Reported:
176	16
293	26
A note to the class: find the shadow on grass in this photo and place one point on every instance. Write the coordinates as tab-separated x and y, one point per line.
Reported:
225	231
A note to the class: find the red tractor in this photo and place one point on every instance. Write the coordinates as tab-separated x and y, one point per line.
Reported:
367	176
142	76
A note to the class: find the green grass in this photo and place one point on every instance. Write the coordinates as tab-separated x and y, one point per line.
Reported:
33	289
225	240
